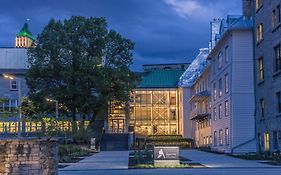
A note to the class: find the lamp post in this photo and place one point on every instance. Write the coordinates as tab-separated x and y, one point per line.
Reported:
57	106
11	77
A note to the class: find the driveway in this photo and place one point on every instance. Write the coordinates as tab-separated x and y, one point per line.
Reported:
212	160
116	163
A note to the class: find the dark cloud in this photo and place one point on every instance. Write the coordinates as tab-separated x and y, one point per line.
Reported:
165	31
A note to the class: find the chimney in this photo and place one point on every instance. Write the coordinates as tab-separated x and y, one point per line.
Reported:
247	6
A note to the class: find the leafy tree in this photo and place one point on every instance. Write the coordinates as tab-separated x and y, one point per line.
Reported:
81	64
28	108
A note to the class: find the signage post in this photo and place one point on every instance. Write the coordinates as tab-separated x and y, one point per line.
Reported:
166	155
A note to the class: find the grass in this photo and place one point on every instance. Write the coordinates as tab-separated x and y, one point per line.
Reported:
71	153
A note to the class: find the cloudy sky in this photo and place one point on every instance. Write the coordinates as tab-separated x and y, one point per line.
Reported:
165	31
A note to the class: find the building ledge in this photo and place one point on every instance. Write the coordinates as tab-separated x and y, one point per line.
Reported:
200	117
200	96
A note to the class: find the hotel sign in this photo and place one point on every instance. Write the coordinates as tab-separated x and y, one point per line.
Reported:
166	153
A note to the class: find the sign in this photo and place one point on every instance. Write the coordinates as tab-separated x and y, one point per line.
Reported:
166	153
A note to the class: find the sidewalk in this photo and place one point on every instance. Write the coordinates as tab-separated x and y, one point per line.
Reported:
105	160
212	160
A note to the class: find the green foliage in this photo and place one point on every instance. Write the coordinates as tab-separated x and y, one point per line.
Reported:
69	152
51	126
81	64
28	108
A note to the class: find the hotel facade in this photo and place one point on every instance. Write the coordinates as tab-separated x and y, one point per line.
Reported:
267	22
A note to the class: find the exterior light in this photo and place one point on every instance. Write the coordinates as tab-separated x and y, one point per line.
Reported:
7	76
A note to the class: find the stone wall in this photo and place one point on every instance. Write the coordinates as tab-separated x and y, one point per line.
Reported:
28	157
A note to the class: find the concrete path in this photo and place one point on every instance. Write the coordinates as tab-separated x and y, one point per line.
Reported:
212	160
104	160
116	163
205	171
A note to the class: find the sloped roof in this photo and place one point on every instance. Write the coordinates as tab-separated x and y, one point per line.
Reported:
24	32
160	79
196	68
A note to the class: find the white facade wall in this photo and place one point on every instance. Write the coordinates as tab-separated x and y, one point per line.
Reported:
239	70
186	127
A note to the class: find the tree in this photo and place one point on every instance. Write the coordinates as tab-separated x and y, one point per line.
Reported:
81	64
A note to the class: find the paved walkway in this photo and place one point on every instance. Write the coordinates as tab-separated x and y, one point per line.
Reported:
101	161
212	160
116	163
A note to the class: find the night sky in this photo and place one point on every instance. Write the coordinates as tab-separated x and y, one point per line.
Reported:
165	31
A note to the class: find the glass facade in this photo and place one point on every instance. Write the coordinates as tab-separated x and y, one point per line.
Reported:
152	112
155	111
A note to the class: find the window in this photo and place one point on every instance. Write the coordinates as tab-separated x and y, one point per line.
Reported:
220	60
226	54
258	4
210	140
262	107
226	83
226	103
261	69
220	87
13	85
277	51
266	141
274	18
215	138
226	136
220	137
278	95
259	32
215	113
214	91
220	109
275	140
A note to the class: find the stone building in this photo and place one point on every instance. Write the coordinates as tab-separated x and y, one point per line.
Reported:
267	22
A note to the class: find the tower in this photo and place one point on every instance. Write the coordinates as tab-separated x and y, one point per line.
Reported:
24	38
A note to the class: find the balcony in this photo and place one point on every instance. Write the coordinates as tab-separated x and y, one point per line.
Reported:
199	114
204	95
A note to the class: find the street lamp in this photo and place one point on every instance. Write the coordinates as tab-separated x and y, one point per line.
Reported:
11	77
57	106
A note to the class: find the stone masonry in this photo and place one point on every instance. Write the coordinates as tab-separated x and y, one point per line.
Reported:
28	157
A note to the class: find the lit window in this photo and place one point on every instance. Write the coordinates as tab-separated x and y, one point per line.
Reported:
277	50
226	108
220	87
260	32
261	69
13	85
258	4
226	83
266	141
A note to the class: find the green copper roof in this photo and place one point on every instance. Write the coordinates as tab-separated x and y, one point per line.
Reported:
24	32
160	79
